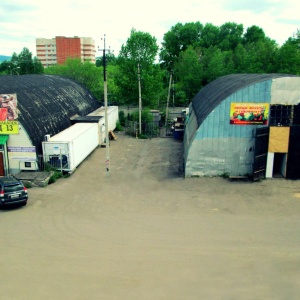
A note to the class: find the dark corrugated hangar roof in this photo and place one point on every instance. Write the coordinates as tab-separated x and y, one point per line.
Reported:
47	102
218	90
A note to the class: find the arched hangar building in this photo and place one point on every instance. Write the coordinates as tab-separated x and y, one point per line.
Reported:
245	125
40	105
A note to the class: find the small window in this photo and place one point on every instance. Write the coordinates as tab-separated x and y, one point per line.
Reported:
27	164
280	115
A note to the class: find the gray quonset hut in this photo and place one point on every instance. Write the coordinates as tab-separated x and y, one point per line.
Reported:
245	124
45	105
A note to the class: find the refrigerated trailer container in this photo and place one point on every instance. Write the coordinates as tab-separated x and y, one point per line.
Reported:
67	149
112	118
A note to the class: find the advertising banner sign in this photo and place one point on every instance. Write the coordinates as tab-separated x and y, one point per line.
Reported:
8	114
249	113
22	153
9	127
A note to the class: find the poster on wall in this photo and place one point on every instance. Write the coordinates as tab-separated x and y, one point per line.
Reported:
22	153
8	114
249	113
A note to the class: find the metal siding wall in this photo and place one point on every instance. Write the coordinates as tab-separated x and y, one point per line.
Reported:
190	131
219	147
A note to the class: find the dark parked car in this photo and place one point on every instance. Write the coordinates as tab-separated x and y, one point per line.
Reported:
12	191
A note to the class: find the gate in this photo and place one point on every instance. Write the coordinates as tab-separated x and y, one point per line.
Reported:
149	129
260	153
293	166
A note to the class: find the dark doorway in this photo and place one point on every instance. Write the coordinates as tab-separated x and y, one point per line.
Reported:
279	165
293	165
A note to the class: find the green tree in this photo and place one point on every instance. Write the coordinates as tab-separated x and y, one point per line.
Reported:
25	62
22	64
139	52
85	73
210	36
239	59
189	71
260	57
230	35
5	67
37	66
288	56
253	34
228	62
213	64
177	40
109	58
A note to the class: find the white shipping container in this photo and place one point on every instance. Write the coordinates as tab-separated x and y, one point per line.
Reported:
112	118
67	149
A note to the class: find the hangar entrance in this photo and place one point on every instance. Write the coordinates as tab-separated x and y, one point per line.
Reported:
293	165
284	153
279	165
278	152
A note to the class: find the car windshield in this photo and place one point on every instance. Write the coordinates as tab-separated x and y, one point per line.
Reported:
13	188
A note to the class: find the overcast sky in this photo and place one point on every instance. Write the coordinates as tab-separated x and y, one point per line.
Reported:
22	21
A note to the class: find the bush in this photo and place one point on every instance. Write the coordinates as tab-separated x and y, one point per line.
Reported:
119	126
146	116
28	184
122	119
48	167
143	137
56	175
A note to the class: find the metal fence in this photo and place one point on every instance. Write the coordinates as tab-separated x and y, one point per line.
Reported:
149	129
58	162
156	128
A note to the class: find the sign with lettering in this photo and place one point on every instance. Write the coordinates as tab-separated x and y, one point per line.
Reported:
8	114
22	153
9	127
249	113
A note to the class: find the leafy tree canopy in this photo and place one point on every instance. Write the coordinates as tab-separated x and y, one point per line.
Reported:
137	60
85	73
22	64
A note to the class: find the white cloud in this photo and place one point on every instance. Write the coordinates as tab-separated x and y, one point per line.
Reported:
22	23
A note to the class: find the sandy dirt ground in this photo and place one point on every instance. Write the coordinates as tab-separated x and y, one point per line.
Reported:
145	232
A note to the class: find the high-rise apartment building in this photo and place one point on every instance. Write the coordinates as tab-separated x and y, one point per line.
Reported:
57	50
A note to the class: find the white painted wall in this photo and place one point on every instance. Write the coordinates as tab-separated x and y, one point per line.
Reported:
17	140
270	163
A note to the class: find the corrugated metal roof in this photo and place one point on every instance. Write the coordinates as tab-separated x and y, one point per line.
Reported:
215	92
3	139
47	102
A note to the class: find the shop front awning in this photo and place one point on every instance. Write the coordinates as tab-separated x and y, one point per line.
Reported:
3	139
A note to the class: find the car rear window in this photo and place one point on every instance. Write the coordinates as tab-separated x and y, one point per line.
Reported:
13	188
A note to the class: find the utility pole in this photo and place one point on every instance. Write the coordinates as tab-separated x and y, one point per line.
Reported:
140	100
107	158
173	95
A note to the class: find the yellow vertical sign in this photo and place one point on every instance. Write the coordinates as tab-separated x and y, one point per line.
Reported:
9	127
